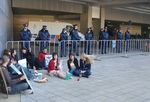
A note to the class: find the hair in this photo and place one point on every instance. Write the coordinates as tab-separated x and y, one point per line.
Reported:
12	51
6	52
89	58
54	53
23	48
71	54
5	58
44	48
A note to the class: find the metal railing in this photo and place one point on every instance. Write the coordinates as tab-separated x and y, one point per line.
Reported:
99	48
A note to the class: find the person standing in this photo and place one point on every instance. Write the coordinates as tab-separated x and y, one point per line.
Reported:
25	36
88	37
127	38
120	37
44	36
105	37
100	37
63	38
74	37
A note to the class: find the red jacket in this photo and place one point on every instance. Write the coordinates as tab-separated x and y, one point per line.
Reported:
41	55
51	65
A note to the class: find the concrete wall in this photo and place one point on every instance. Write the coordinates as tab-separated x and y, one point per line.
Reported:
121	15
6	22
19	20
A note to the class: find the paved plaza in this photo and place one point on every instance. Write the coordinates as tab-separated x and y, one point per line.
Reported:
117	79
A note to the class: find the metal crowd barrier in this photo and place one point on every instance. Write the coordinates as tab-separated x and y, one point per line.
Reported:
99	48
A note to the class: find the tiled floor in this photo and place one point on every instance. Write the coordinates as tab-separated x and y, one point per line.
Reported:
113	80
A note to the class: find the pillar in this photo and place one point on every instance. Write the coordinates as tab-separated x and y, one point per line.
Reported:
86	20
102	17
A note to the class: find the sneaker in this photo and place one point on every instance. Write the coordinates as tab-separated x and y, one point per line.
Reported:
28	91
71	77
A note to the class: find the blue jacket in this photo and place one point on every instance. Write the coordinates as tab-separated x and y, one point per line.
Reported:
63	36
44	35
105	36
25	35
120	35
100	35
88	36
74	35
127	35
84	65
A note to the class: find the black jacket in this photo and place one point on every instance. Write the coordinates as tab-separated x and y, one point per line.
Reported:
75	63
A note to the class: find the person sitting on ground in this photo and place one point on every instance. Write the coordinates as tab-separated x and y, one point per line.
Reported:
73	65
31	60
14	61
41	55
55	68
16	83
85	65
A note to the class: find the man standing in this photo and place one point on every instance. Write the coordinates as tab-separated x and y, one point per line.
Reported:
88	37
63	38
44	36
74	37
105	37
120	37
25	36
127	37
100	37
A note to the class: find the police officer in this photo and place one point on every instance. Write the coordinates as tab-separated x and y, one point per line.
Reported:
120	37
44	36
100	37
127	37
25	36
63	38
88	37
92	32
105	37
74	37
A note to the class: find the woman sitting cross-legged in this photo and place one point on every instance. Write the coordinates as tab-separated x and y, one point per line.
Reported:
85	65
73	65
16	83
55	68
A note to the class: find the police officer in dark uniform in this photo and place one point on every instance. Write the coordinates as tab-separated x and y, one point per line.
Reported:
100	37
63	38
25	36
105	37
44	36
127	38
88	37
120	38
74	37
92	32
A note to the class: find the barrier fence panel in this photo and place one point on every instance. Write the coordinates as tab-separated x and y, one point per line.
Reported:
99	48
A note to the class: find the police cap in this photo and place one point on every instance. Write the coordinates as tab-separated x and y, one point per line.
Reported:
25	25
105	27
44	26
75	25
64	29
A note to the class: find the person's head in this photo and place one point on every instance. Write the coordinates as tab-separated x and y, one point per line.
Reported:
71	56
120	29
44	50
89	29
64	30
102	29
44	27
105	29
55	56
5	59
128	29
25	26
75	26
87	58
13	51
24	50
6	52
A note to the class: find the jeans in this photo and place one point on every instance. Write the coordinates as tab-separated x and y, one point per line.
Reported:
87	73
127	45
76	72
43	44
119	45
16	88
72	70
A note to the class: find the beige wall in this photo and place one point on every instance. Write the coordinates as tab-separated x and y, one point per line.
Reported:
19	20
133	29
